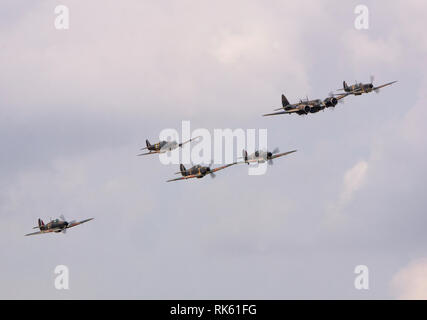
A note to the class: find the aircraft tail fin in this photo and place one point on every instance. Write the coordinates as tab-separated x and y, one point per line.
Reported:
182	169
345	86
41	224
245	155
285	101
147	143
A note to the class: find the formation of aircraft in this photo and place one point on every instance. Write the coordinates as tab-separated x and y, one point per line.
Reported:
304	107
259	156
56	225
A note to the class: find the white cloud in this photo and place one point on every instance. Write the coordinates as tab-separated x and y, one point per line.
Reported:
368	51
413	123
353	180
125	59
411	281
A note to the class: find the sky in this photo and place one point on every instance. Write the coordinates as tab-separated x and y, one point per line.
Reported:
76	106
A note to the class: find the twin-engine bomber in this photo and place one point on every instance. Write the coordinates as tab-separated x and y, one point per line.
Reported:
312	106
306	106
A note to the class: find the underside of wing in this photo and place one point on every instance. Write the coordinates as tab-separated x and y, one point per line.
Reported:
357	90
192	139
41	232
341	96
79	222
384	85
144	154
185	177
223	167
248	161
281	112
282	154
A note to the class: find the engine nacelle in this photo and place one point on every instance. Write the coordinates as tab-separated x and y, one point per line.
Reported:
331	102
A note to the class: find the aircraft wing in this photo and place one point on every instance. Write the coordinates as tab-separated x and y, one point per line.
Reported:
223	167
192	139
248	161
282	154
41	232
354	91
339	97
282	112
185	177
144	154
384	85
77	223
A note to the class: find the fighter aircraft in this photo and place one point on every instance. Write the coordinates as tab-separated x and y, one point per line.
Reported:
263	156
56	225
359	88
163	146
198	171
307	106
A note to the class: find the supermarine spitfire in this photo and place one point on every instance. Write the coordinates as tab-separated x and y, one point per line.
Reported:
56	225
306	106
163	146
263	156
198	171
360	88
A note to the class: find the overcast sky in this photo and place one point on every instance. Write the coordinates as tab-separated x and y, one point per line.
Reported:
76	105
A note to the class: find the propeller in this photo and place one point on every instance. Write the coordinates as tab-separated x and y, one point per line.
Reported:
372	78
270	154
67	224
332	95
213	175
62	217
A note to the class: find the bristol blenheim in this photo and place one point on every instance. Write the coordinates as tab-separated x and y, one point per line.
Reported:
198	171
307	106
56	225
